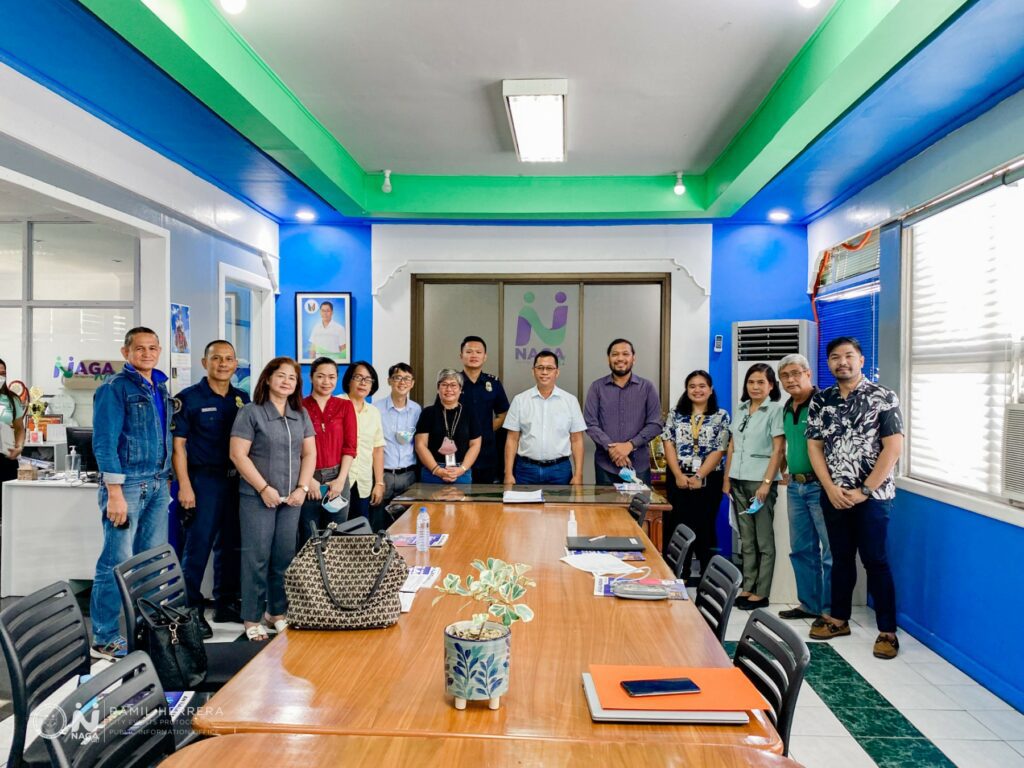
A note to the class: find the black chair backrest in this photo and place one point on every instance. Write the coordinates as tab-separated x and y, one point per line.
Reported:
155	574
717	592
638	509
775	658
45	643
678	548
126	726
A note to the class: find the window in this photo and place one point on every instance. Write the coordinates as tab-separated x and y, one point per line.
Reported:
966	327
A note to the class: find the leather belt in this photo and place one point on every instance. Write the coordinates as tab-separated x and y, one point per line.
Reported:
537	463
400	470
804	477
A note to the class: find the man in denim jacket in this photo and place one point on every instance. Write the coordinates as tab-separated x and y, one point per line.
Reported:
132	442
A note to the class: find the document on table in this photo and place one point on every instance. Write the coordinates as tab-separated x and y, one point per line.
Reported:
626	487
599	563
420	577
406	598
409	539
676	587
523	497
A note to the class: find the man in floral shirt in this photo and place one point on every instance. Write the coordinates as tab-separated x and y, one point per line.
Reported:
854	438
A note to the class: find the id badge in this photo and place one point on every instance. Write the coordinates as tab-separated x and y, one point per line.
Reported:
449	460
696	463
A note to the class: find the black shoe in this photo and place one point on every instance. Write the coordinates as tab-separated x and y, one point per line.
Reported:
797	613
742	603
750	605
693	581
227	614
204	625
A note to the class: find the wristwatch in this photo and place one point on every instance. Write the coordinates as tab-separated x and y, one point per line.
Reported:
866	491
305	488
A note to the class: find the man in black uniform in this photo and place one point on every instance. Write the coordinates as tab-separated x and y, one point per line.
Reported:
208	483
486	401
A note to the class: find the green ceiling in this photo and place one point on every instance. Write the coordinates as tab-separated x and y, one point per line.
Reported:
857	44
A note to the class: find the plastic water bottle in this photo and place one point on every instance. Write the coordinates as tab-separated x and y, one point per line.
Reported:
570	529
423	530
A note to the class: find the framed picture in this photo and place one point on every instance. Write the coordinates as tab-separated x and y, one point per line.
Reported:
323	327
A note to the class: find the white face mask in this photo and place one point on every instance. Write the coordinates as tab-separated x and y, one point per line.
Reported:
3	380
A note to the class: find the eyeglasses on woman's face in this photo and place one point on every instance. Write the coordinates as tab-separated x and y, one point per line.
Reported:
449	385
357	379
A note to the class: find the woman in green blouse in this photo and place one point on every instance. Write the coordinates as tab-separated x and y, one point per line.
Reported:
751	477
12	415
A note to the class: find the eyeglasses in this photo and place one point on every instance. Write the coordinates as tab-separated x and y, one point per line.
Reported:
743	424
402	379
357	379
545	368
449	385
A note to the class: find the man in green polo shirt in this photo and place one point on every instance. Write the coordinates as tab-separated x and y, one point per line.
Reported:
808	538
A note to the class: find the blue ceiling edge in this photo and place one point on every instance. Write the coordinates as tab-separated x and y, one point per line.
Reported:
968	67
65	48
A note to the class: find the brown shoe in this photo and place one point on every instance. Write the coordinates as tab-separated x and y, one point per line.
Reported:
819	622
886	647
828	630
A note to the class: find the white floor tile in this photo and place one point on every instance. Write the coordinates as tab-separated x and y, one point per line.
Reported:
808	698
941	673
925	696
947	724
1006	724
980	754
817	721
887	673
829	752
973	697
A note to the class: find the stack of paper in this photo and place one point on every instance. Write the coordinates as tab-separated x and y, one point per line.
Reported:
626	487
631	556
523	497
676	587
421	577
409	539
598	562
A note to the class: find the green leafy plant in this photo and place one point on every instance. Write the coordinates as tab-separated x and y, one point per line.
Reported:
500	585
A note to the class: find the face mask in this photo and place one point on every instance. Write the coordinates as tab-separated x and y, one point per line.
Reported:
3	380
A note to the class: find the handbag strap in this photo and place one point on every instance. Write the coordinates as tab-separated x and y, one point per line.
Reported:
381	540
153	612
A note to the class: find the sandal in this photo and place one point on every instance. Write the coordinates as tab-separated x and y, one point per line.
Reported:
279	626
257	633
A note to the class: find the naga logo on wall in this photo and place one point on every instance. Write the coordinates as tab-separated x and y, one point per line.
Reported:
530	327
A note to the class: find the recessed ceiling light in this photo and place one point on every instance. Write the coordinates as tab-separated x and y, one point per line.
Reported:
237	6
536	114
809	3
305	215
779	216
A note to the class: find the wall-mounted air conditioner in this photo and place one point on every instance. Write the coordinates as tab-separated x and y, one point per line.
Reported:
1013	452
768	341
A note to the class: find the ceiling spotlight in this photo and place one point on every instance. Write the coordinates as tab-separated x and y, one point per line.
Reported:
779	216
679	188
233	6
809	3
386	186
305	215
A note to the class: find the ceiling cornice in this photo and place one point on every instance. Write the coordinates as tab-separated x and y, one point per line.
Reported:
856	46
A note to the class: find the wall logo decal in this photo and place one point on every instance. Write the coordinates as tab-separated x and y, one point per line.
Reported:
530	325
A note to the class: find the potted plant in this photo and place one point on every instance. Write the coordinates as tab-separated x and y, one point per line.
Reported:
476	652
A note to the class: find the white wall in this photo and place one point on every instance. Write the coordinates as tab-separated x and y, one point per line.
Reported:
685	251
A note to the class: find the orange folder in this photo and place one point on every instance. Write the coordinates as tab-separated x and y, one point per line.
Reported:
722	689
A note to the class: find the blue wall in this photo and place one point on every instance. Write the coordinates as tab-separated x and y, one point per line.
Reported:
958	588
758	272
326	257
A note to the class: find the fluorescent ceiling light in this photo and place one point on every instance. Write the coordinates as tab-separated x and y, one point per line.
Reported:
233	6
779	216
305	215
809	3
536	114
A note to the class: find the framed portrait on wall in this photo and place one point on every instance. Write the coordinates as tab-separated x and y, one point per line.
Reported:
323	327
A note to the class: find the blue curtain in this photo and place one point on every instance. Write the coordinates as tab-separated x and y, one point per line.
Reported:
856	316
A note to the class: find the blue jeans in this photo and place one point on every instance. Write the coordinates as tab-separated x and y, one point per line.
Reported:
147	528
810	553
553	474
603	477
214	526
430	477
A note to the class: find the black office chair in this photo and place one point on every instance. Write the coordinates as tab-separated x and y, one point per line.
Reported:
156	574
638	509
126	726
775	658
678	549
46	644
717	592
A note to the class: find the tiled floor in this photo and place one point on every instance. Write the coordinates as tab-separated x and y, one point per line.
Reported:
966	723
972	727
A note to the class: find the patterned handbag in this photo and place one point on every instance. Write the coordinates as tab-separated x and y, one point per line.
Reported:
344	581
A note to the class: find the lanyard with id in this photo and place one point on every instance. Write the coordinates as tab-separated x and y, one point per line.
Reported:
695	425
448	447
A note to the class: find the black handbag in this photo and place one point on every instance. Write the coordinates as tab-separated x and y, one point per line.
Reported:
174	641
345	577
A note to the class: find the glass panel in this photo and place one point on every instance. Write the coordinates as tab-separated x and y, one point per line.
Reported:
79	261
541	317
10	259
450	313
10	344
65	341
238	302
553	494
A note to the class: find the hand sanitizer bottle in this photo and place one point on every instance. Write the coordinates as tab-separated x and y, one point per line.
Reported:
570	528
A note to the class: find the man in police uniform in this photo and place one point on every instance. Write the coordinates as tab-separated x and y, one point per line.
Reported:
208	482
485	399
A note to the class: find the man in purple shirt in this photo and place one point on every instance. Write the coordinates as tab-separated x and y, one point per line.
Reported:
623	414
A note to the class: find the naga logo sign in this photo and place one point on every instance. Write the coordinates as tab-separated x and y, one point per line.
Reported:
529	325
94	369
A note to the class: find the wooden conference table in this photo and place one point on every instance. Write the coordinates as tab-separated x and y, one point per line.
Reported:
390	682
566	496
288	750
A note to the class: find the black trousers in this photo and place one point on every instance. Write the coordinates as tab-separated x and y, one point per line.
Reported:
697	510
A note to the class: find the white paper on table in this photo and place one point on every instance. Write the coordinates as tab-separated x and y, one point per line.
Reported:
630	487
406	598
421	577
523	497
599	563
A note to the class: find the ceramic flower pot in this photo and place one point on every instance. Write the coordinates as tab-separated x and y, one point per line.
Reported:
476	670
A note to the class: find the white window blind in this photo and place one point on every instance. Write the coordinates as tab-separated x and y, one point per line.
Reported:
966	328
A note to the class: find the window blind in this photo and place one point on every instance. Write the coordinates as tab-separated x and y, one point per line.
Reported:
966	324
852	258
853	312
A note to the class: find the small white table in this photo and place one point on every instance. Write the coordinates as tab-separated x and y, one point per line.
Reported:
51	532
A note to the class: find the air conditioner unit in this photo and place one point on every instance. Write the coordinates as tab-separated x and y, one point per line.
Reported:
768	341
1013	452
